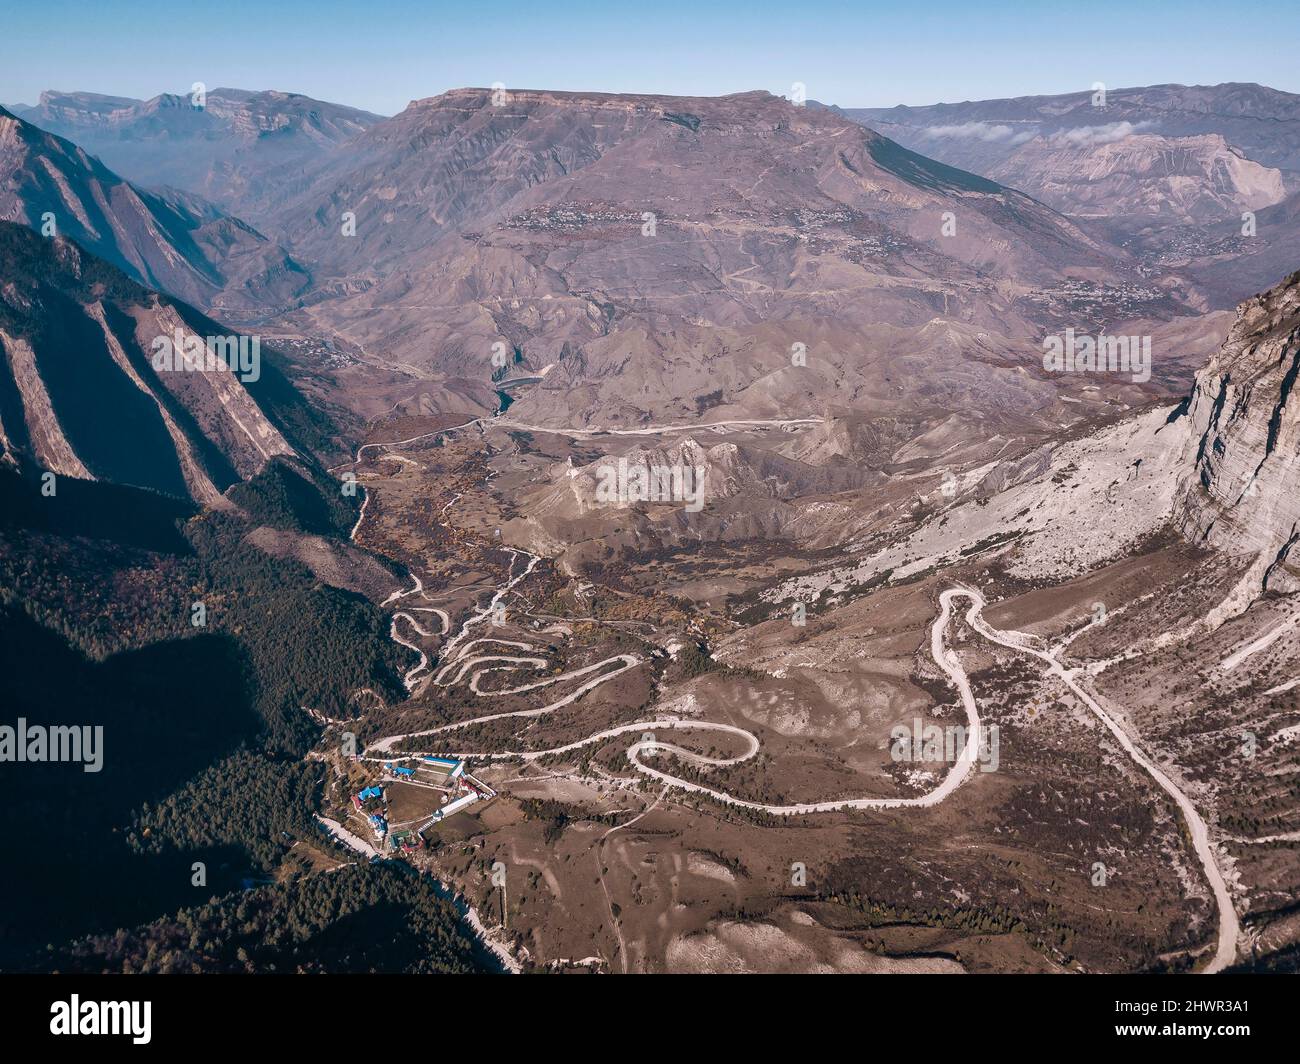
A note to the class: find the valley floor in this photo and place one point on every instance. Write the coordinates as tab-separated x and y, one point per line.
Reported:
1084	849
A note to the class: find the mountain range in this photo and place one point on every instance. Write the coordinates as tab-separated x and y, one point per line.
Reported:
1198	179
640	253
462	319
1263	123
163	238
237	149
521	228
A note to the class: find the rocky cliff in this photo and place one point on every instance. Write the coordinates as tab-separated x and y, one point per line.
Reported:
1179	179
85	393
1241	490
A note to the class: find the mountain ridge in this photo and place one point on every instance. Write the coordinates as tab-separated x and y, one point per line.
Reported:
235	151
83	393
166	239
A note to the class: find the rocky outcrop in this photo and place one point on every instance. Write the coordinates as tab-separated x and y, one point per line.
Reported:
84	392
1241	489
1175	179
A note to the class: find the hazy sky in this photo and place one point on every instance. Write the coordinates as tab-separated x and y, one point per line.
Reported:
381	54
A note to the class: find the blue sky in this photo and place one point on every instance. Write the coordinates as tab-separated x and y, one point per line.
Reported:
381	54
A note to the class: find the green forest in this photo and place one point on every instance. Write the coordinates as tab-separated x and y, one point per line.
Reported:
205	732
363	918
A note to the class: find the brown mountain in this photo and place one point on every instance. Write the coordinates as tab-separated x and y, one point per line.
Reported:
1166	171
167	239
1142	177
650	254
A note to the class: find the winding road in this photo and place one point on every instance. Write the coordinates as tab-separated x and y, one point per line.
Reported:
458	662
1229	928
650	745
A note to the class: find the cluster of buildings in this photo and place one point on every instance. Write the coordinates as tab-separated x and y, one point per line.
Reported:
371	803
457	789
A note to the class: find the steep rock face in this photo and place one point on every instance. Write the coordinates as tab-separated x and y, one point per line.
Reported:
1176	179
167	240
1241	491
82	395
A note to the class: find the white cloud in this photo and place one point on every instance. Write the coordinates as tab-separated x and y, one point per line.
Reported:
987	131
1090	136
